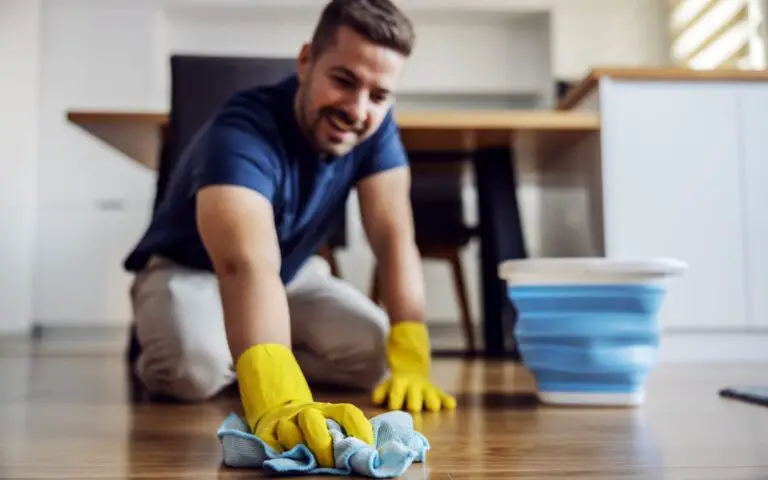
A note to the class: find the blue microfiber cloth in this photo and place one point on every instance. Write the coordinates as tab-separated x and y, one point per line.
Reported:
398	445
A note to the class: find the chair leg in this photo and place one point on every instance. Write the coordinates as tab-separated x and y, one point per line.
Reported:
326	252
461	292
134	348
335	271
375	286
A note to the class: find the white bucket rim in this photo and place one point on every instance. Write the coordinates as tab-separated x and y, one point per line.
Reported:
591	270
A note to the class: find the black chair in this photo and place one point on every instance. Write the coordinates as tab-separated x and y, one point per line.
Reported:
199	87
439	225
562	87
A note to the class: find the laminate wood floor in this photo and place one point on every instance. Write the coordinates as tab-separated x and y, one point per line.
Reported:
70	415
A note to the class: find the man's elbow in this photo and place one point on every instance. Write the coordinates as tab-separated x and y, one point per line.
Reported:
242	266
235	266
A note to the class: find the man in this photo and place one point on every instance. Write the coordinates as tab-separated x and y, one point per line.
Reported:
221	277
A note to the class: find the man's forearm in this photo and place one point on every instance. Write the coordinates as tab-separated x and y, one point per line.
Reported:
402	280
255	306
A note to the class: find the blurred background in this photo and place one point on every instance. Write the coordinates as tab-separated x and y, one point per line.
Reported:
72	206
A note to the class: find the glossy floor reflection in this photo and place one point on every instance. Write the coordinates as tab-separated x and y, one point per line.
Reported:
70	415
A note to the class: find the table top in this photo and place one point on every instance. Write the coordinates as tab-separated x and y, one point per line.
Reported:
137	133
441	129
492	120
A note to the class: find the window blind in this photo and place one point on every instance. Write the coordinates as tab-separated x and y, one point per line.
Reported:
717	34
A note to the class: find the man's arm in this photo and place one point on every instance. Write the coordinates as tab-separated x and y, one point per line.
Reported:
388	222
237	227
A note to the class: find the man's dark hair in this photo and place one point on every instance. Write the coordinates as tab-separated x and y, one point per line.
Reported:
380	21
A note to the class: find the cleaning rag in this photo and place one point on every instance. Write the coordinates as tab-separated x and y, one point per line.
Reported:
397	446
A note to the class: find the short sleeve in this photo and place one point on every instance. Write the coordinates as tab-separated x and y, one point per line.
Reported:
386	150
242	157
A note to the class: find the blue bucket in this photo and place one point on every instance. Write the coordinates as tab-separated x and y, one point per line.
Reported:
588	328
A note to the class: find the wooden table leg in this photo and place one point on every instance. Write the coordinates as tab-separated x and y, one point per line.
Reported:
501	238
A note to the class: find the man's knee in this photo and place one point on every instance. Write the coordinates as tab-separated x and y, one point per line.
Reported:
370	361
185	374
180	329
373	372
362	358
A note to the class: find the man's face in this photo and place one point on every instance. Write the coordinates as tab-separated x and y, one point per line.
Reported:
345	93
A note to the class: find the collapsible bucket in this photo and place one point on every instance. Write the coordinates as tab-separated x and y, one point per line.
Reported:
588	328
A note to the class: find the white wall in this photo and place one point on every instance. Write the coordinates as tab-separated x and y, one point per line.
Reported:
19	63
511	52
633	33
608	33
110	54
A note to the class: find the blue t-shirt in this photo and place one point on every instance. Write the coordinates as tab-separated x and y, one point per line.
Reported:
255	141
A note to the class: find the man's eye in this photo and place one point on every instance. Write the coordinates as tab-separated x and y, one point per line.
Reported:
342	81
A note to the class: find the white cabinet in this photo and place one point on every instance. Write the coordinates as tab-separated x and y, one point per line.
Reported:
93	201
753	108
674	187
79	277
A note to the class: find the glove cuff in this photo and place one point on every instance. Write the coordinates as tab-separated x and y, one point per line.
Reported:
268	377
408	348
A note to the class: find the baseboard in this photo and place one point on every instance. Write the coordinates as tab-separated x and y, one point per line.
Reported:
15	330
676	347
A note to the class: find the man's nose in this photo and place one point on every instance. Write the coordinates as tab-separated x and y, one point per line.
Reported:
357	109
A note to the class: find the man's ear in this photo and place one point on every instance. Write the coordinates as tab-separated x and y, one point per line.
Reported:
303	61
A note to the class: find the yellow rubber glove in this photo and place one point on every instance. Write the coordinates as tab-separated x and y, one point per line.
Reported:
279	407
409	355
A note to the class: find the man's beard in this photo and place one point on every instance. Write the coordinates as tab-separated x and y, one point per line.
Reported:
324	114
301	116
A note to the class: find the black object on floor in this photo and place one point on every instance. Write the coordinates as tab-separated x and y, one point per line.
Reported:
756	395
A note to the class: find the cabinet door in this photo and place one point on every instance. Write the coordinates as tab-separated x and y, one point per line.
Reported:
753	105
673	188
79	277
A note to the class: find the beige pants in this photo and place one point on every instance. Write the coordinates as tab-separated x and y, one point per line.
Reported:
338	333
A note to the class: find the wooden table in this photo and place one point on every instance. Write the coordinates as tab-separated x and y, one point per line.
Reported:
491	139
137	133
